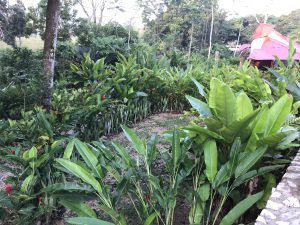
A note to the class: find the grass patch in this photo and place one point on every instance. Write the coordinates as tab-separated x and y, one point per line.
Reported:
34	43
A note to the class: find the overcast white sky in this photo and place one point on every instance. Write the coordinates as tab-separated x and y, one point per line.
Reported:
234	7
246	7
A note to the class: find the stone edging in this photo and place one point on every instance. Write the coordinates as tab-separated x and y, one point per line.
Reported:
283	206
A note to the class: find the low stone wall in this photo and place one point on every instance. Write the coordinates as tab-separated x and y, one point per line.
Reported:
283	207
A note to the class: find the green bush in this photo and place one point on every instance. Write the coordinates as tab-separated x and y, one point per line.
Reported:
20	76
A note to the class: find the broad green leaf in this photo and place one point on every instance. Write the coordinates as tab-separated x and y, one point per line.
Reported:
259	127
89	158
203	191
200	88
80	208
151	148
86	221
223	101
68	186
176	148
43	122
240	209
270	181
211	159
151	218
121	188
200	130
273	139
81	173
213	124
31	155
226	171
69	149
243	106
196	213
201	107
41	159
247	162
26	182
244	178
236	128
137	143
247	176
123	152
268	169
222	176
279	112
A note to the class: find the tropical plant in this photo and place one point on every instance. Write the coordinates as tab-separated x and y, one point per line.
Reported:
31	169
287	75
233	138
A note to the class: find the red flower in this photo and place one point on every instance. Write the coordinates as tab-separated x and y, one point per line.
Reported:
8	188
40	200
103	98
147	197
13	152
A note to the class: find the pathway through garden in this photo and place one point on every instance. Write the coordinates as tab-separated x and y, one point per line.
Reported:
158	124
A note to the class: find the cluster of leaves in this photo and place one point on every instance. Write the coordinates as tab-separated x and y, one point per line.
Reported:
20	76
244	121
230	145
97	97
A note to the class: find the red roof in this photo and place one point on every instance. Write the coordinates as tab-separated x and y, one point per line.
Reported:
267	43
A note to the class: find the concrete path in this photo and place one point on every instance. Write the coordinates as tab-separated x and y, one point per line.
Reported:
283	207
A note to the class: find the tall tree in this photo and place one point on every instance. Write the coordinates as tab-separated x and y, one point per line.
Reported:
211	28
17	21
290	24
36	19
94	9
52	19
12	21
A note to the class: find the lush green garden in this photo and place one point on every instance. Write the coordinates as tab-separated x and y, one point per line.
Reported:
242	132
215	163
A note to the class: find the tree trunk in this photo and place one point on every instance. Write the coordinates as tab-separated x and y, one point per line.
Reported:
129	36
191	41
211	28
52	19
103	6
205	34
238	40
84	10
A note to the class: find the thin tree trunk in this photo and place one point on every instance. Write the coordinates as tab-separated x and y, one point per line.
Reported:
101	13
94	14
211	28
266	18
257	20
191	41
52	19
129	36
205	34
238	40
84	10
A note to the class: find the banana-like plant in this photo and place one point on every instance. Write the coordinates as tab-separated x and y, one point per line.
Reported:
233	137
92	172
226	116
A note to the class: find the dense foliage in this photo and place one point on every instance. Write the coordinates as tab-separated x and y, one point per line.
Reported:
243	120
242	130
